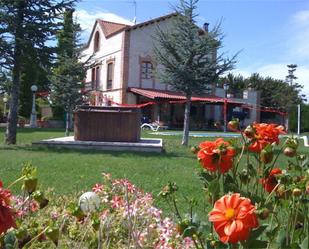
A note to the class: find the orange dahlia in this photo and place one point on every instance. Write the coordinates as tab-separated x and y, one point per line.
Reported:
6	214
271	182
264	134
233	218
216	155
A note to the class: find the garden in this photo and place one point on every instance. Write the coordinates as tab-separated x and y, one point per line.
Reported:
248	192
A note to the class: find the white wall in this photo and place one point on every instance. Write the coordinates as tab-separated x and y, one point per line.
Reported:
141	45
109	49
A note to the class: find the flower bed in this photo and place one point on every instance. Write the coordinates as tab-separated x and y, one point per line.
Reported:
115	214
252	202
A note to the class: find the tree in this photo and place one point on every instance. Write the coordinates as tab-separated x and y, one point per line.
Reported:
189	56
291	77
24	25
69	73
33	72
273	92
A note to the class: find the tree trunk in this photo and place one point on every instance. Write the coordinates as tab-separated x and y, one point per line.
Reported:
186	123
67	124
11	128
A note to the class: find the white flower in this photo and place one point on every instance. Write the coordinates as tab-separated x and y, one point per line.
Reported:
89	202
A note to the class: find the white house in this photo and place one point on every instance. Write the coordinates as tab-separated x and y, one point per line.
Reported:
123	74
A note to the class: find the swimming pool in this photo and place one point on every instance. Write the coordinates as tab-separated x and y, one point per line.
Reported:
197	134
203	134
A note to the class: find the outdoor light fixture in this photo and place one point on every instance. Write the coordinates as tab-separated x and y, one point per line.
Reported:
226	88
33	117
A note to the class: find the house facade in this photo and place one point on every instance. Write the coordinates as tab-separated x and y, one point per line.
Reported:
123	73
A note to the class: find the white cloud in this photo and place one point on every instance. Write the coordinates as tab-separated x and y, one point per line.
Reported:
301	16
299	35
296	52
86	19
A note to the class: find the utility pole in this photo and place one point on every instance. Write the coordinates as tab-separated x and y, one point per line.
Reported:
298	119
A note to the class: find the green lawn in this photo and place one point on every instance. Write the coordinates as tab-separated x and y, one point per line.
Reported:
70	171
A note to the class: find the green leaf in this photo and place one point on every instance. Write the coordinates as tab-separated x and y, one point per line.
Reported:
254	234
294	246
251	170
229	179
189	231
305	244
282	238
206	176
9	240
271	233
214	187
257	244
230	187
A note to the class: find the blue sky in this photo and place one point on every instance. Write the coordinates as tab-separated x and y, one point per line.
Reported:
269	33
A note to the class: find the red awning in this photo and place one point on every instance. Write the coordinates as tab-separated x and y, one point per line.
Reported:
177	96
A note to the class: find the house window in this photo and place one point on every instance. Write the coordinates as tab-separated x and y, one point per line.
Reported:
96	46
110	74
147	70
95	78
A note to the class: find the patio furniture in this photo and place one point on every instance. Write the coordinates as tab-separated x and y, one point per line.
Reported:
153	126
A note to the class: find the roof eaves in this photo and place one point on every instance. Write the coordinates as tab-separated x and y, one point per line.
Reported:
152	21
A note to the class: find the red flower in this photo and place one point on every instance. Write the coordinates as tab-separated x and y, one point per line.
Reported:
233	218
265	134
6	213
216	155
271	182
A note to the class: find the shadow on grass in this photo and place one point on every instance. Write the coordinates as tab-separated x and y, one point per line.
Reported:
29	147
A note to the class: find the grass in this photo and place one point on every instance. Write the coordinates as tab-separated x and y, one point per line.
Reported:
69	171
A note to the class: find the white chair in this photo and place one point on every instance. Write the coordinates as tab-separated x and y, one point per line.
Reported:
151	126
306	144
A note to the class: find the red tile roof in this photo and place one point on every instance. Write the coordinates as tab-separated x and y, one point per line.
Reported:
173	95
110	28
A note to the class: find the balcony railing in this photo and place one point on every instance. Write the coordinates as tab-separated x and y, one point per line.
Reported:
88	86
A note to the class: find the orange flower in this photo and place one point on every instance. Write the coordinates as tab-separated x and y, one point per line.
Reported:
216	155
271	182
264	134
6	213
233	218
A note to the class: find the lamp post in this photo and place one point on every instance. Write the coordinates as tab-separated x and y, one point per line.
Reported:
226	88
33	117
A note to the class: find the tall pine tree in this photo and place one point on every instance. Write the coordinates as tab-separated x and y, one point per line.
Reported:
68	75
189	56
25	24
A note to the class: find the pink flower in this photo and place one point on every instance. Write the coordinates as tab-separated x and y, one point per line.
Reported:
116	202
104	214
34	206
54	215
107	176
97	188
